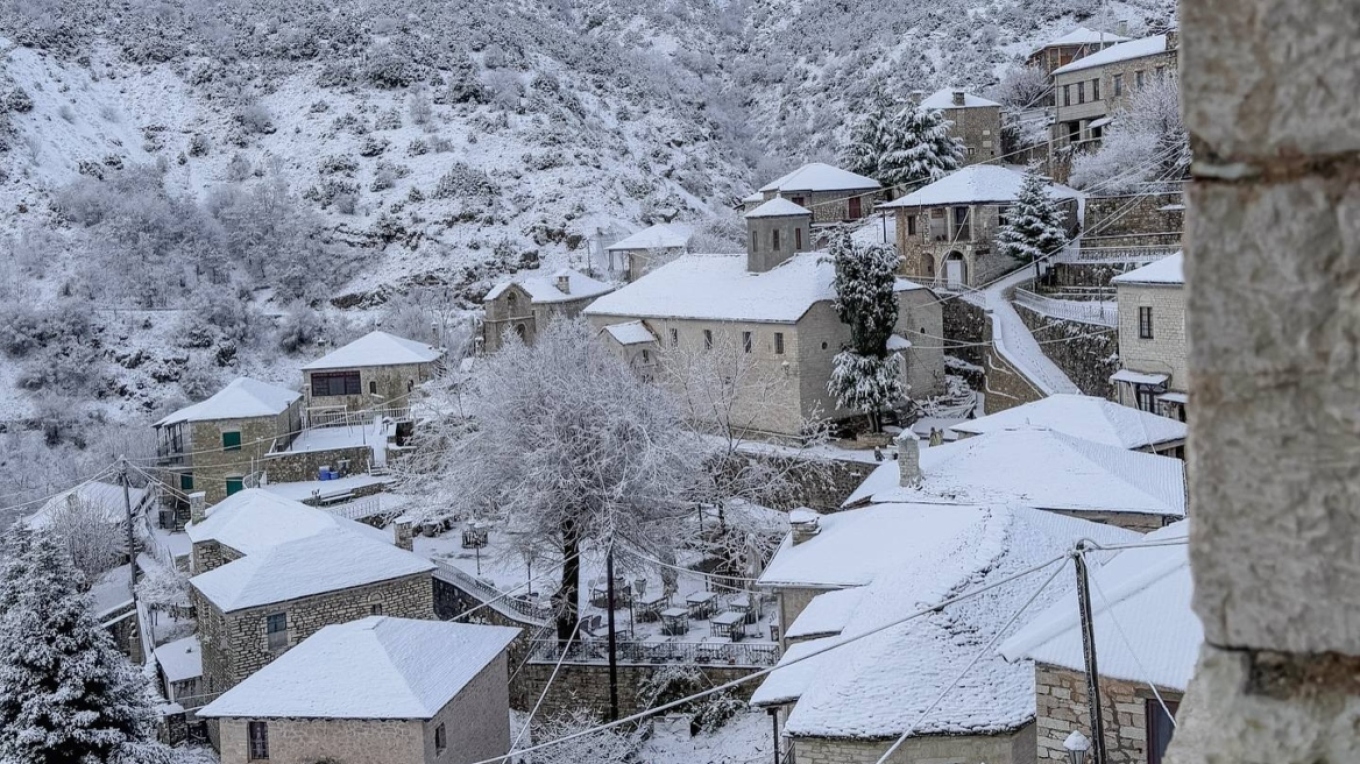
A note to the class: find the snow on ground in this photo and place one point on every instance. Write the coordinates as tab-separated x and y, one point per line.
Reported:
1013	340
745	739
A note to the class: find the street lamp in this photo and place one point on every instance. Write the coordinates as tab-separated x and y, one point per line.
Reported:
1077	745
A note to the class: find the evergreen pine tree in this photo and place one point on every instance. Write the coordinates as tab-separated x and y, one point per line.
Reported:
67	696
1034	227
918	149
866	377
869	139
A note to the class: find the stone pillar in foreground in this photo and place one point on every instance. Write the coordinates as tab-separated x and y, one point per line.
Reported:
1271	93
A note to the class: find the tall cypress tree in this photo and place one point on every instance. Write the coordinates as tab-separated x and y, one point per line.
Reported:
1034	228
67	696
866	377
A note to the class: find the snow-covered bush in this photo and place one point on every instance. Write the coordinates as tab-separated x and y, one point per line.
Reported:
417	147
463	181
388	120
1023	87
255	119
238	169
372	146
201	377
26	328
337	164
89	533
1146	143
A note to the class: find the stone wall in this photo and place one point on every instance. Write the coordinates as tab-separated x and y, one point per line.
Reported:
964	323
1132	221
1141	522
979	127
235	644
206	555
1087	358
1003	386
1166	352
1014	748
587	686
392	384
211	465
308	741
820	485
476	720
297	466
1272	265
1061	706
1086	274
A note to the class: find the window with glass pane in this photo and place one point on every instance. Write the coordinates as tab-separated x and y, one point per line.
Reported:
276	630
258	734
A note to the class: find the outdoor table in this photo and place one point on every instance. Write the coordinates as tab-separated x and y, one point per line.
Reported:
727	625
742	604
649	608
700	604
674	621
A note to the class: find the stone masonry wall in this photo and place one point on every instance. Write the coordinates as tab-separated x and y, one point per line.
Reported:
212	465
1087	358
587	686
308	741
295	466
392	385
476	720
1166	352
965	324
1003	386
979	128
1013	748
1061	707
234	643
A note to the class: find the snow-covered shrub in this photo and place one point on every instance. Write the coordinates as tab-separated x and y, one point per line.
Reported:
26	328
464	82
199	145
613	746
337	74
372	146
505	89
1023	87
421	110
440	145
1146	143
320	107
346	202
255	119
238	169
17	101
337	164
84	528
388	120
463	181
201	377
211	321
389	68
301	328
417	147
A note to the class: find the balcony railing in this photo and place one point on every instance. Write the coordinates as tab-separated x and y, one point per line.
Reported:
633	652
517	607
1084	311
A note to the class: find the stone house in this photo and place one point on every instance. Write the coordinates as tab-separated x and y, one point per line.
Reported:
269	572
946	231
650	248
832	194
377	690
527	303
1147	640
849	572
1077	44
375	373
1152	348
215	444
973	119
1089	418
1089	91
773	305
1034	467
180	663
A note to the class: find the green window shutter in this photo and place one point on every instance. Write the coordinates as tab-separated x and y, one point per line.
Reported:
231	441
234	484
186	481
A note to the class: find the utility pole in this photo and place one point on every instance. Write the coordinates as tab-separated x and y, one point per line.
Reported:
127	510
613	640
1088	648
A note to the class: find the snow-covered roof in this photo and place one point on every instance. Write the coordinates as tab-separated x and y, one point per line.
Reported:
818	176
543	289
755	197
1124	51
1139	377
778	207
1040	468
373	668
719	288
1083	36
630	333
875	687
1083	416
826	614
944	99
105	498
181	660
977	184
253	520
1145	628
376	349
1168	270
242	398
329	561
659	236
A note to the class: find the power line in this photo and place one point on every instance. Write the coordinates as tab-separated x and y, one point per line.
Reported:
105	472
783	664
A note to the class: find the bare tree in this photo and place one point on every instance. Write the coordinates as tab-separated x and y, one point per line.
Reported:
92	534
568	449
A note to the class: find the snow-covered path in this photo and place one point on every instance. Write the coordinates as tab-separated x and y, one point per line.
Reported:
1013	340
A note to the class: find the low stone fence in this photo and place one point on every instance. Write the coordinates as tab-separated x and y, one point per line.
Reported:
634	652
299	466
1087	355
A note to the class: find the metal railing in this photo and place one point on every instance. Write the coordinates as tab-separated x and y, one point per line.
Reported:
518	607
1137	254
335	416
595	650
1085	311
357	509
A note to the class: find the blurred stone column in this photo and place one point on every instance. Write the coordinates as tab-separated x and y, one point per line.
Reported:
1271	94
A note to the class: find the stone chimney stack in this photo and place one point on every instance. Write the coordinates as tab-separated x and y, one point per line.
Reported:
917	96
909	459
960	98
403	534
804	523
198	507
564	283
1122	28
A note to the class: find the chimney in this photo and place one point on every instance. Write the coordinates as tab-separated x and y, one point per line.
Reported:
1172	39
917	96
403	537
198	507
804	523
1122	28
909	459
564	283
960	98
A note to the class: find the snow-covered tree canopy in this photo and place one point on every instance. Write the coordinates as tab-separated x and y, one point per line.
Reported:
67	696
1146	143
1034	226
902	146
866	377
569	448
